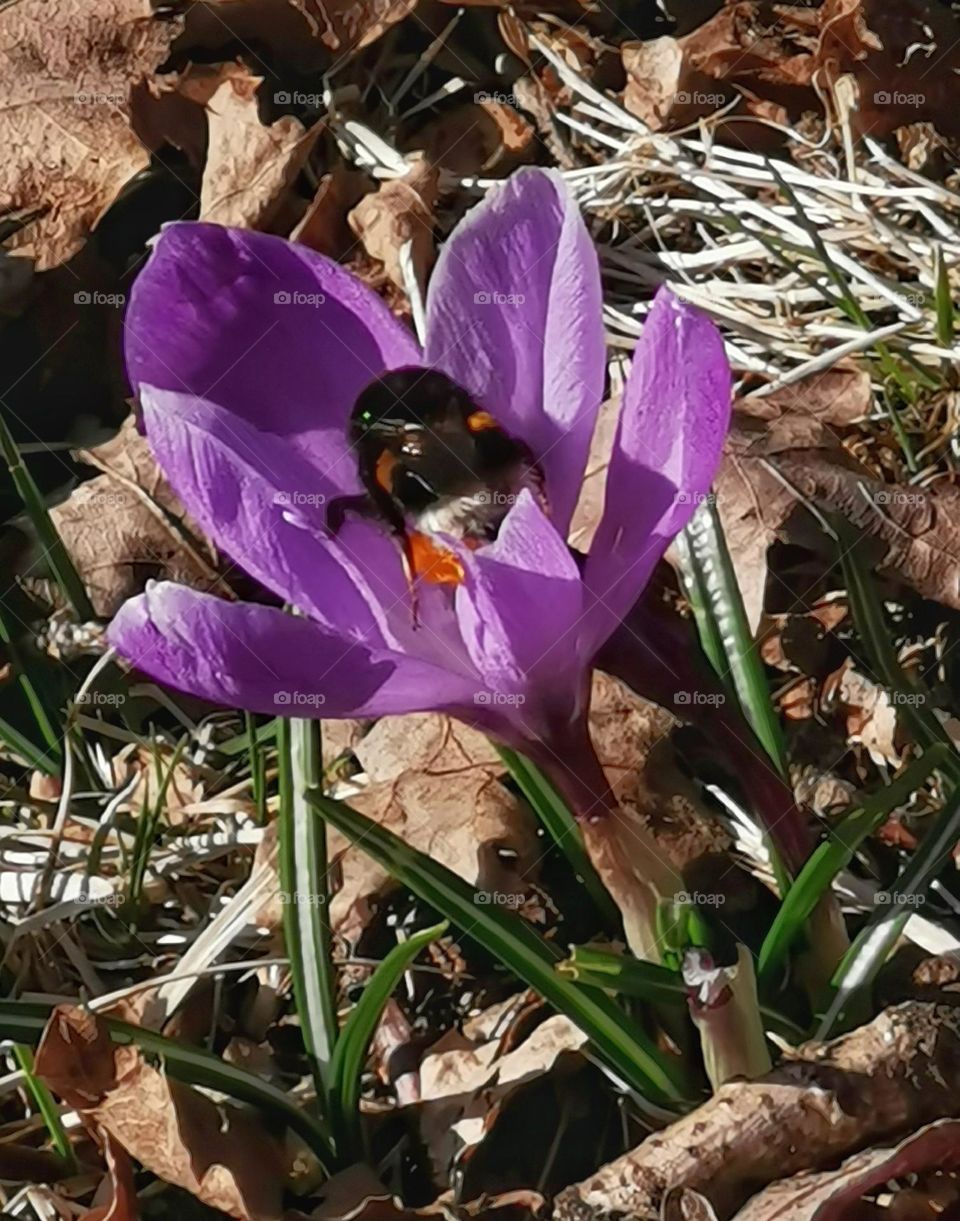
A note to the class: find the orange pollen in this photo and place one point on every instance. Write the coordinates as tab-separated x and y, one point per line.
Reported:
431	563
384	470
481	421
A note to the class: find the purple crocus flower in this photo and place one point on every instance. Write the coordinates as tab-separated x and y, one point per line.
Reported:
248	353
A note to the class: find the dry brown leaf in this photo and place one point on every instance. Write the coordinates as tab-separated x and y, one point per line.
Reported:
839	396
115	530
250	167
324	225
219	1153
654	71
348	25
671	82
904	57
586	517
918	528
485	134
426	741
151	766
740	43
356	1194
339	738
435	783
633	741
172	109
66	69
753	503
306	36
400	211
462	1086
871	718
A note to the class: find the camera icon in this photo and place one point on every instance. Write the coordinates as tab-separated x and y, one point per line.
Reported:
281	298
281	498
282	98
882	98
883	498
682	98
681	697
481	298
482	697
282	697
81	298
682	896
481	896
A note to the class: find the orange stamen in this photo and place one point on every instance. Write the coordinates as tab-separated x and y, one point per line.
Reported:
384	470
431	563
480	421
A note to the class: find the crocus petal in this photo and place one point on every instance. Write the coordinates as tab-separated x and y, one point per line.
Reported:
514	316
673	421
518	609
255	657
279	334
264	504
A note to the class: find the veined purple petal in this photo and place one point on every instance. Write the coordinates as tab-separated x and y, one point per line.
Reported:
255	657
514	316
674	418
281	335
265	504
518	610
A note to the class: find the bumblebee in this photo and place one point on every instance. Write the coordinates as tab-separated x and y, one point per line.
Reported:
432	462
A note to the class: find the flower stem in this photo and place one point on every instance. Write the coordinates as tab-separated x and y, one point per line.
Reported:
724	1007
630	862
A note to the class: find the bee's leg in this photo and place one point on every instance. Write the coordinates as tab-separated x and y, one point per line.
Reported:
410	570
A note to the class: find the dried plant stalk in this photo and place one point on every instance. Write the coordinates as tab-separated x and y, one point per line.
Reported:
824	1102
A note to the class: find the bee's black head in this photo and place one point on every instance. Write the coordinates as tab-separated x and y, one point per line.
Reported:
405	400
